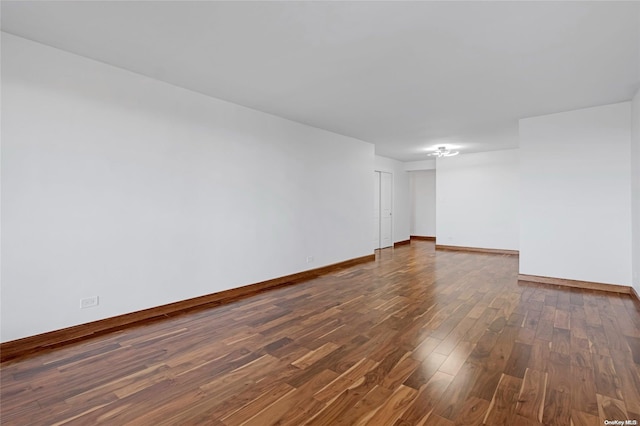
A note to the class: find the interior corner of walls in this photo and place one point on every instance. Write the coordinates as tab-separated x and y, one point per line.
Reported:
576	194
477	200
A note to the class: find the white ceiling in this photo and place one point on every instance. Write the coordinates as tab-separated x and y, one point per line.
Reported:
403	75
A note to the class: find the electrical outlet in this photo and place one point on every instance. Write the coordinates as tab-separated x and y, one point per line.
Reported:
309	259
89	302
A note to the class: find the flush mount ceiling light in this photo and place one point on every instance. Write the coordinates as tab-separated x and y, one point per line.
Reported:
443	151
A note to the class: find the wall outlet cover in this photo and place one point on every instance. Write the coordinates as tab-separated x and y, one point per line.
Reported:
89	302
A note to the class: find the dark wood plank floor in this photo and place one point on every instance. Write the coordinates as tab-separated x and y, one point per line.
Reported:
416	337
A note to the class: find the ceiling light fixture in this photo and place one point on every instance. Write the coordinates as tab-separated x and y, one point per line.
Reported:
442	151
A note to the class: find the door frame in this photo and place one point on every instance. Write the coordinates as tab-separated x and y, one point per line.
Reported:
380	209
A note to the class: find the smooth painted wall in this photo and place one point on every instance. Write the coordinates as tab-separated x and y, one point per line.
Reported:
412	166
142	193
477	200
635	191
401	199
422	186
575	195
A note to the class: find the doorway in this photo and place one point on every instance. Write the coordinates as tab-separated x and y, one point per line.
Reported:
382	210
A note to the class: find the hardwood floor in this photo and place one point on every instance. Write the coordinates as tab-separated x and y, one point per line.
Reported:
416	337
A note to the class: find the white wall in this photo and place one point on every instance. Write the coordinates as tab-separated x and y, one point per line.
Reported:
477	200
143	193
411	166
575	195
422	186
401	200
635	190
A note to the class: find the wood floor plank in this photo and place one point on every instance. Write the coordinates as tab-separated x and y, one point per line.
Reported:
532	395
579	418
561	319
299	406
473	412
561	341
279	410
611	409
425	348
345	380
393	407
435	420
629	378
457	393
315	355
418	337
400	372
608	382
423	373
518	360
492	367
422	406
634	345
364	409
557	408
583	390
457	358
257	405
502	408
598	342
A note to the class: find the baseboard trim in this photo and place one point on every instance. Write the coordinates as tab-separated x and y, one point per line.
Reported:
634	293
612	288
29	345
401	243
422	238
477	250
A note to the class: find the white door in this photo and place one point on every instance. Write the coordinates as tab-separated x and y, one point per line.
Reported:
382	223
376	210
386	204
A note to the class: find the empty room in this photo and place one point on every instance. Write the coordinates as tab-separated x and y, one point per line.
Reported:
320	212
